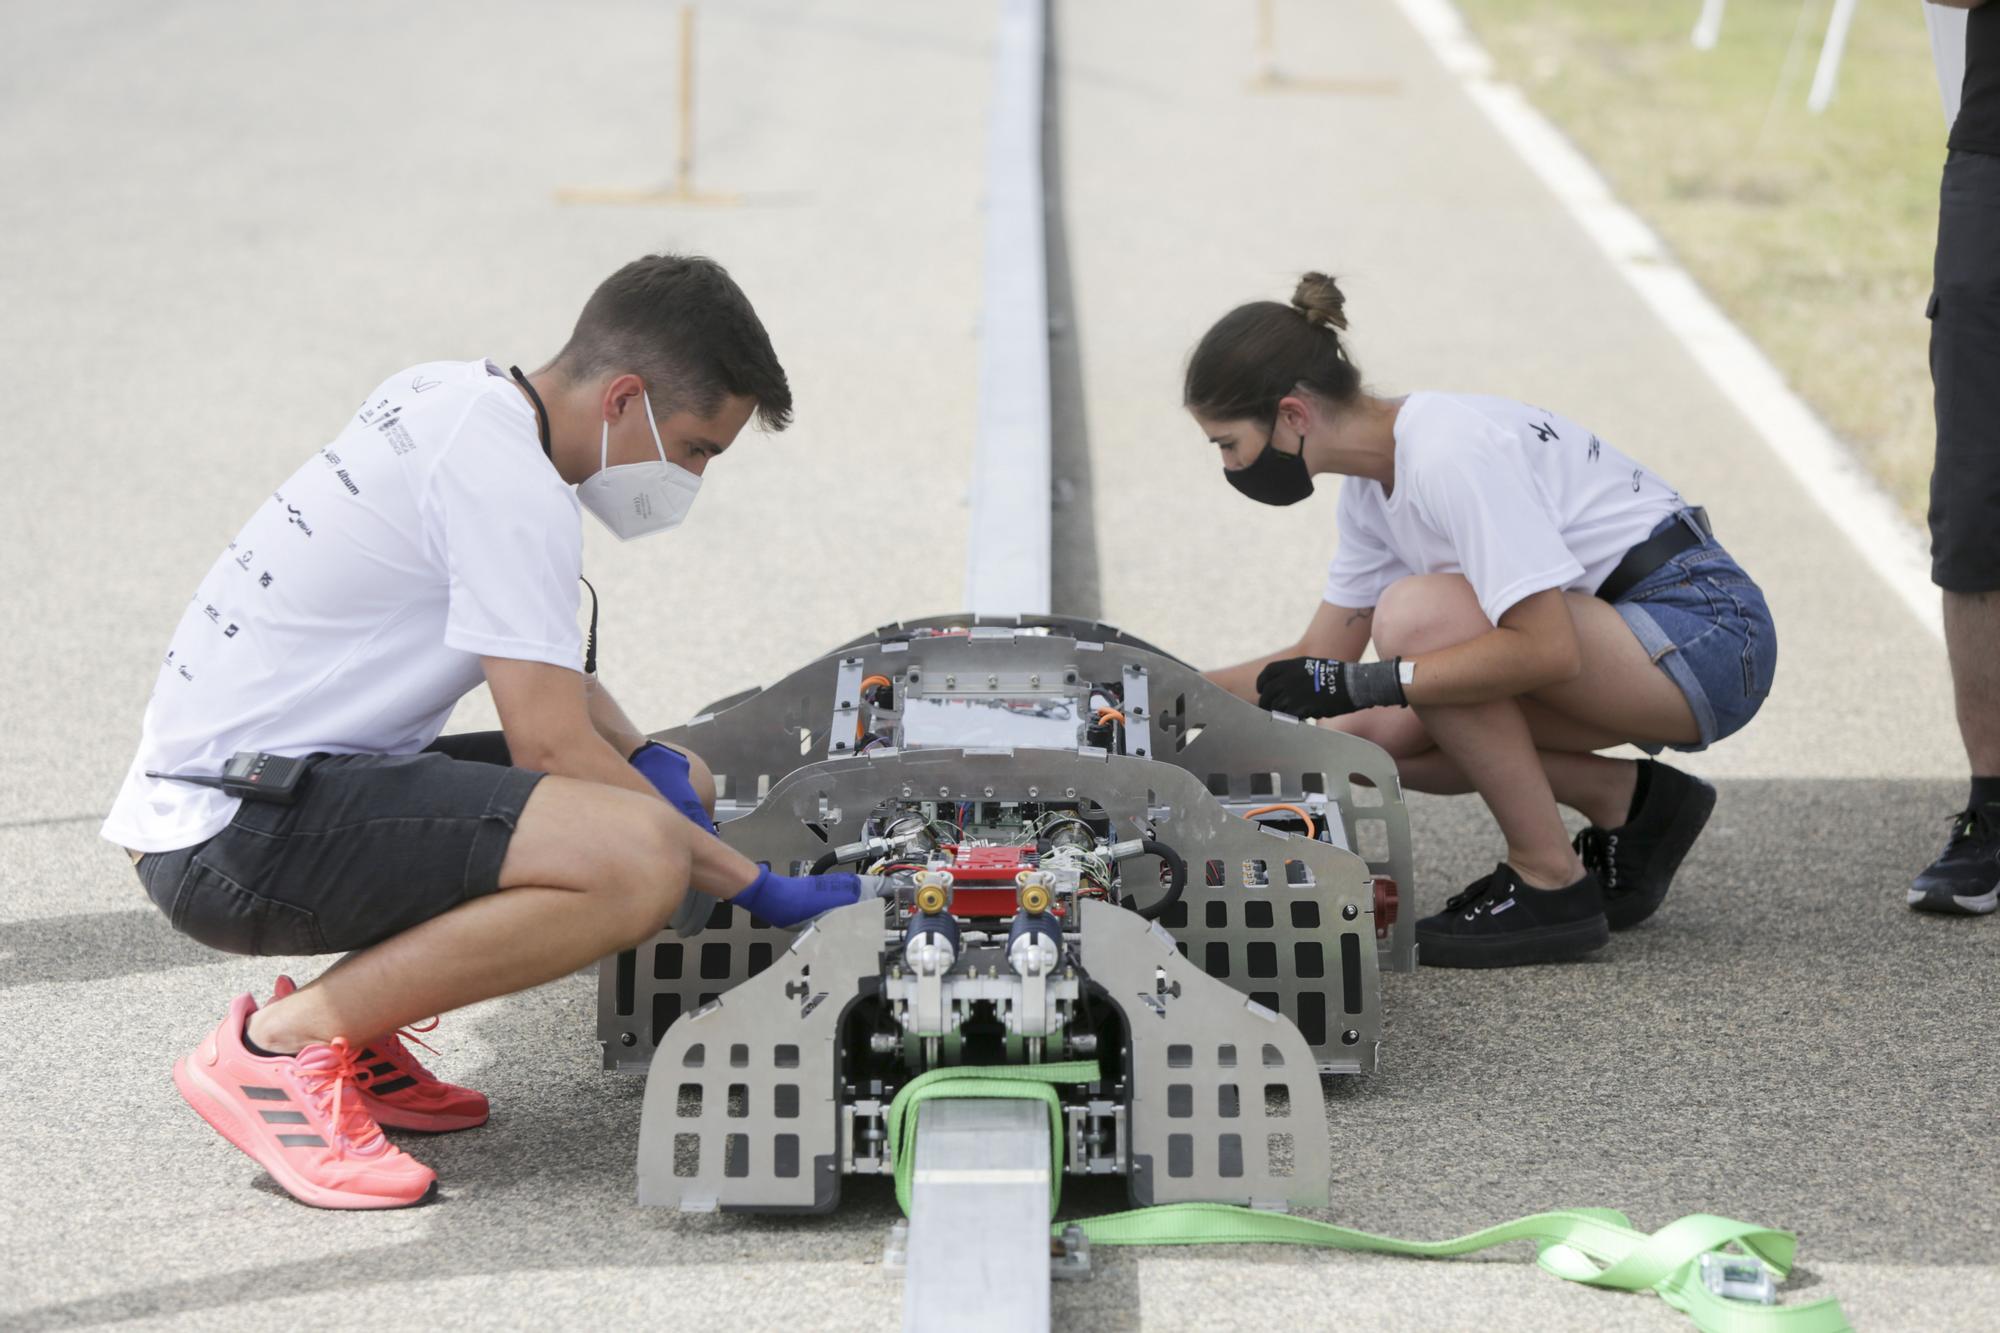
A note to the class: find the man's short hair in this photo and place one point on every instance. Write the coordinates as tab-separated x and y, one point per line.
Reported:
680	323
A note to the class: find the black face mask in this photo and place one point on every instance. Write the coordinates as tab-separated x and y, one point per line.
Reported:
1274	478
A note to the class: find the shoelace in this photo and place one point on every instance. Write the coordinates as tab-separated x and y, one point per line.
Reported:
1598	849
1968	824
391	1044
1474	891
352	1125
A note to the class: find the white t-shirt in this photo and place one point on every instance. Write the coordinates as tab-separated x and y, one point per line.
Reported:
1516	499
350	613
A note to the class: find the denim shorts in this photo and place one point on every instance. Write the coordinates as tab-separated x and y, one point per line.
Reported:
1705	623
374	845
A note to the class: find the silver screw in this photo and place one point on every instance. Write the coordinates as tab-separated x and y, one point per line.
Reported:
1034	682
951	682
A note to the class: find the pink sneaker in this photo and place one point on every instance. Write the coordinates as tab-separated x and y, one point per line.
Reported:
300	1118
399	1092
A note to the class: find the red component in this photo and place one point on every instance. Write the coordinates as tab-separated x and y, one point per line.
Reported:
983	879
1387	899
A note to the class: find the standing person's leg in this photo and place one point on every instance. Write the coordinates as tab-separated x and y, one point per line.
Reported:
1965	520
1972	644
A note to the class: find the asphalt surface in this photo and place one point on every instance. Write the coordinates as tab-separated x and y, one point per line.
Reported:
223	225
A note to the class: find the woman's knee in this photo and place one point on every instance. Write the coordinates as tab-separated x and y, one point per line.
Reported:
1397	730
1425	612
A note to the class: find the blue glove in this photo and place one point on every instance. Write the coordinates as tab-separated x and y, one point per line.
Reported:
667	769
788	900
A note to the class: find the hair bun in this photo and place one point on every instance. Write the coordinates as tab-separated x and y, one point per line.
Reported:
1318	298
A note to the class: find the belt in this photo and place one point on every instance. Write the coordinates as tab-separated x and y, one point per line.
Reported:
1692	530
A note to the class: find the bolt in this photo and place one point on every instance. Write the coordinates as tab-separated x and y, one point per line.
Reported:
1069	677
992	682
1069	791
1034	792
944	791
846	704
1349	912
1034	682
628	1039
1349	1037
989	791
951	682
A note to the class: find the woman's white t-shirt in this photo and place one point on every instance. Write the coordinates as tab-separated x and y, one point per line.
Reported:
351	612
1516	499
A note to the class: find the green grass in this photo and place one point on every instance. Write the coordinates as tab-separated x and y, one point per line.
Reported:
1814	232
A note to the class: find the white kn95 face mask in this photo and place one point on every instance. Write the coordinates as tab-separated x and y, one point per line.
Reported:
638	499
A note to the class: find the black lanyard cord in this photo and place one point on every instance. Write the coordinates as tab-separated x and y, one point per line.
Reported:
590	641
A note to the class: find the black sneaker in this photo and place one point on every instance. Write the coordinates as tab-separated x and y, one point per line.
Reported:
1636	861
1965	879
1500	922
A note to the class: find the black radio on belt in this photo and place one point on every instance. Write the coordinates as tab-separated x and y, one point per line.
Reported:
252	775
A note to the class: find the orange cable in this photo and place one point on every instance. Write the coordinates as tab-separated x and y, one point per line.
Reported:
1298	810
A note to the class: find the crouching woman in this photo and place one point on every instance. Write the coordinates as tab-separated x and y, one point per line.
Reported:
1533	595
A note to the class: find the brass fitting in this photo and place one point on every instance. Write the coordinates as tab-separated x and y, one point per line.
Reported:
1034	891
933	890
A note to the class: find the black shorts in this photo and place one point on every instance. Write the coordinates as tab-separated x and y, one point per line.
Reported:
374	845
1965	373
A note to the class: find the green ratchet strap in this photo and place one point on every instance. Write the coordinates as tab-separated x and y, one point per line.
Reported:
1572	1243
1028	1082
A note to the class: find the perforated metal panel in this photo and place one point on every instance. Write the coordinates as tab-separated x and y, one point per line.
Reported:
1307	881
1233	748
742	1106
1225	1096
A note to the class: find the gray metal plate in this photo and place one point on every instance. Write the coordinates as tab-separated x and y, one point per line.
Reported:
1288	920
1226	1102
741	1108
1232	747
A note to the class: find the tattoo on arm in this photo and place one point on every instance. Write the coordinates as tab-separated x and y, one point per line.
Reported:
1358	615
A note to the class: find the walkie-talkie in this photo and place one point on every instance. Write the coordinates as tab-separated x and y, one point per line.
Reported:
252	775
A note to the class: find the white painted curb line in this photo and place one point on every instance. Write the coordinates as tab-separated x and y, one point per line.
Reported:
1830	474
1007	542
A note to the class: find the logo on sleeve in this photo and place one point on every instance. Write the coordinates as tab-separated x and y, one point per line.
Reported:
293	515
332	460
1543	431
419	384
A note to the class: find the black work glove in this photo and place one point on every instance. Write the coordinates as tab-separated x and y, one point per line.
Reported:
1324	687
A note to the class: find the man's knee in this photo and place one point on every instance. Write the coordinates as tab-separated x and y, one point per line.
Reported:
614	846
1425	612
650	876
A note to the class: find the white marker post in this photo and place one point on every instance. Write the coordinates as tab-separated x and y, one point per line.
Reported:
1827	76
1708	28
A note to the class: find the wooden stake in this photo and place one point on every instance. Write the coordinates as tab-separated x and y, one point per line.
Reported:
683	190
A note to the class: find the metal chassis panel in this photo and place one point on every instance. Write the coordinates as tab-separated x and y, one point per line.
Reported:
1226	1102
1233	747
1287	926
748	1085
